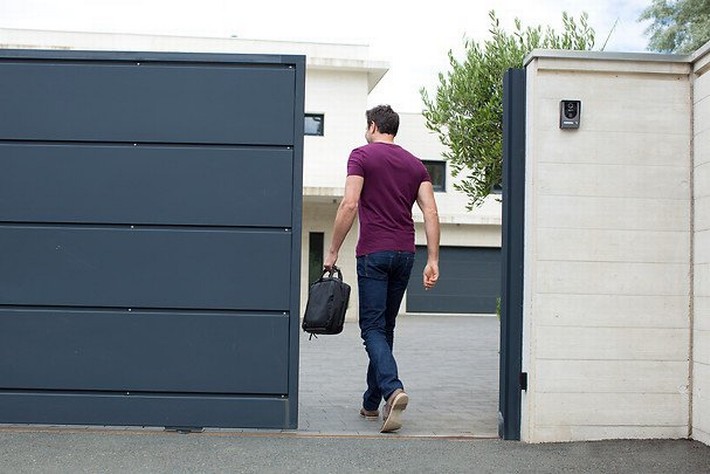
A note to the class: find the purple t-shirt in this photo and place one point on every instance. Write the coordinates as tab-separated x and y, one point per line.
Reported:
392	178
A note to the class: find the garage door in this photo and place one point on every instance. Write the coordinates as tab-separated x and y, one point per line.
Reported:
469	283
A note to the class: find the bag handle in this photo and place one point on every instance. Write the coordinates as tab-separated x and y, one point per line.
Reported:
333	270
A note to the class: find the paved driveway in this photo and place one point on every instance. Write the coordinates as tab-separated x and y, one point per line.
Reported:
449	365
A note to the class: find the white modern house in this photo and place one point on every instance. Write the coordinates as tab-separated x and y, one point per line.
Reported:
339	78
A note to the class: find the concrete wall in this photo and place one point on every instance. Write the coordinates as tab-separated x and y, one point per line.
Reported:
607	249
701	334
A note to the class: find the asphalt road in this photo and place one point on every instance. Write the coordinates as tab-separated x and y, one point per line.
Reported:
67	450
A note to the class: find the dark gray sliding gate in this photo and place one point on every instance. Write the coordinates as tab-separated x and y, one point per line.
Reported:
512	380
150	223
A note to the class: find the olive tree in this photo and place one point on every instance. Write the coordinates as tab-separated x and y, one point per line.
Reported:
680	26
466	110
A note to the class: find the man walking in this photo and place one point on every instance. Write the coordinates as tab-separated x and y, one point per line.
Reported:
383	183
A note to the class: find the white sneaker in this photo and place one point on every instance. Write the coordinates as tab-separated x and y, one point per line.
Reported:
392	411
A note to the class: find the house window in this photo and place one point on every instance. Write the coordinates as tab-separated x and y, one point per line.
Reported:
437	171
313	125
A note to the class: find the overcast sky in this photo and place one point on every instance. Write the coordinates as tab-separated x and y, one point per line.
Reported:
413	39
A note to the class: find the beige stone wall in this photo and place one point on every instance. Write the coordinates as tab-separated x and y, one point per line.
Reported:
701	327
607	250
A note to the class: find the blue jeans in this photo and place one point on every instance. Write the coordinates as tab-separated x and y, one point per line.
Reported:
382	279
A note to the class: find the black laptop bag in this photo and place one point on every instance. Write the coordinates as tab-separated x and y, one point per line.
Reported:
328	299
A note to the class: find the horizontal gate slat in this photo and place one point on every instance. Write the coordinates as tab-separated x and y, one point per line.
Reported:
145	267
185	352
145	185
145	410
145	102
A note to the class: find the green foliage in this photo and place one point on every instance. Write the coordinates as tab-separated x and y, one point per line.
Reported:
680	26
467	110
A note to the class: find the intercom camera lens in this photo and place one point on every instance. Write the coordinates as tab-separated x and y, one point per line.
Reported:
570	110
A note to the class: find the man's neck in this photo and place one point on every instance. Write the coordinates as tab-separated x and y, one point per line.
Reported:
382	138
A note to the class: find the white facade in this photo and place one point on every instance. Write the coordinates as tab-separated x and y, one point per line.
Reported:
339	78
616	324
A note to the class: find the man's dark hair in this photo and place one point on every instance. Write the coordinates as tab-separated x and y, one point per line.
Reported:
386	119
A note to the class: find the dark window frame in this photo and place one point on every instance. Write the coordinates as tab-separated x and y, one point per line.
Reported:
439	188
318	118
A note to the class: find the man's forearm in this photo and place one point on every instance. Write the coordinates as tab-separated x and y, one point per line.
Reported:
344	220
433	236
345	217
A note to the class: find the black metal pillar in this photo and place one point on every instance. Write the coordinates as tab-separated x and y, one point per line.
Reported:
512	380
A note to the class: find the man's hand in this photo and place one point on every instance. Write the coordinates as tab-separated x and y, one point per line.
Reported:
330	260
431	275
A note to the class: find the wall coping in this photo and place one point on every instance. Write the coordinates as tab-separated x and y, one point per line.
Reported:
605	56
599	61
704	50
701	59
698	61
